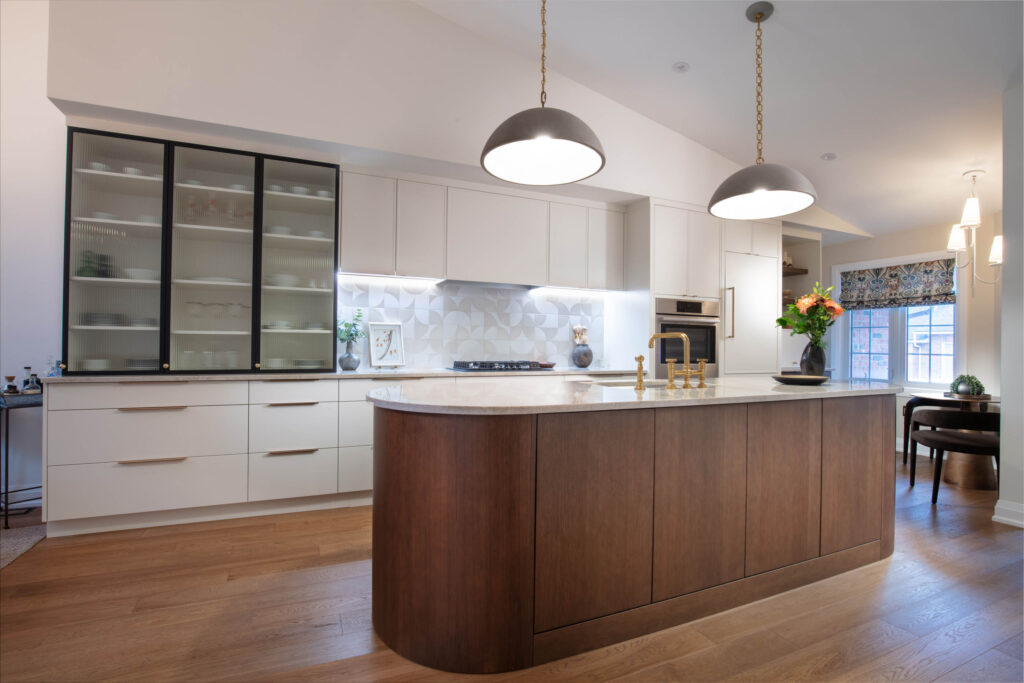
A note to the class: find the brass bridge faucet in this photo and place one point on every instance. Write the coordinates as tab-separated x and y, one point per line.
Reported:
686	372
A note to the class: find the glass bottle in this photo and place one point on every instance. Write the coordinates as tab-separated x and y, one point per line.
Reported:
33	386
28	375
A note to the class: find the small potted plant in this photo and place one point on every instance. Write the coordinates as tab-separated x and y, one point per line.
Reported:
967	385
812	314
349	332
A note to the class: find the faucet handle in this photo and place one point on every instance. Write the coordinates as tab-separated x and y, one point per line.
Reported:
671	363
702	362
639	373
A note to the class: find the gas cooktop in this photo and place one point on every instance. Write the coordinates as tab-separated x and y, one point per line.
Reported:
496	365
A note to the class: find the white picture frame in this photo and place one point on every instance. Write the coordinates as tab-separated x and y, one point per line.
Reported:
386	345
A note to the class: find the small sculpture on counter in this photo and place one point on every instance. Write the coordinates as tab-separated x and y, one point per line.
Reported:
582	355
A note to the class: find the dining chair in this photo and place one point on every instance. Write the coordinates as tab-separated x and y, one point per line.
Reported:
982	438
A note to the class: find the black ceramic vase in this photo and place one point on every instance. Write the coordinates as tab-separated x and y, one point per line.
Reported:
812	361
582	356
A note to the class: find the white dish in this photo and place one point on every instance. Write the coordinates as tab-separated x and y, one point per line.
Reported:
142	273
96	364
239	186
98	166
320	234
323	193
148	219
300	189
104	216
283	280
217	278
279	230
131	170
191	181
275	188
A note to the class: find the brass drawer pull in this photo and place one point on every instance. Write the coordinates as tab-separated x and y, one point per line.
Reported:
297	451
140	408
297	403
287	379
157	381
151	460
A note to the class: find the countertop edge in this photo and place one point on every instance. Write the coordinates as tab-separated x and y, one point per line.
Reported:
355	374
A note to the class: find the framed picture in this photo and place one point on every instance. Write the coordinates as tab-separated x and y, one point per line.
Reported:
387	349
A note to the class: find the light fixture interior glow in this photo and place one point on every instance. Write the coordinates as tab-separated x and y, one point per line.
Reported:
762	204
995	255
972	212
386	280
542	160
567	293
957	241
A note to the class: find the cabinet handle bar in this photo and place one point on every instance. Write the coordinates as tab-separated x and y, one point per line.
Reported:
297	403
132	409
297	451
151	460
732	310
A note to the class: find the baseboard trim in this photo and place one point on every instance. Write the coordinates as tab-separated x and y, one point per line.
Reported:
91	525
1008	512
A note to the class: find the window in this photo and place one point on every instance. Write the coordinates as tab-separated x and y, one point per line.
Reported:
930	343
869	344
915	344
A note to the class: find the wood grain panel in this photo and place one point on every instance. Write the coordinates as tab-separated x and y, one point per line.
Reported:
615	628
851	472
700	466
453	538
887	439
595	493
783	483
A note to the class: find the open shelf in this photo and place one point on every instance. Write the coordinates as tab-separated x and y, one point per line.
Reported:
793	270
113	181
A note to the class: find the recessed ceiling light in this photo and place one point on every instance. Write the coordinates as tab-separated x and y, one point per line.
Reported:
681	67
829	156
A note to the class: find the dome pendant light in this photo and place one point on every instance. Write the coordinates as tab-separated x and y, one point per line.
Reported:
762	190
543	145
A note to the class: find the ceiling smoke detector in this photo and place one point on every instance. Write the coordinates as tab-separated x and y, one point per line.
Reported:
681	67
829	156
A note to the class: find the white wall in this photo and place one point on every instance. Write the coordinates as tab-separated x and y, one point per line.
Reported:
388	76
1010	508
32	154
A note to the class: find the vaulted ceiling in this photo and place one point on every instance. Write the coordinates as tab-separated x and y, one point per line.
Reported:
907	95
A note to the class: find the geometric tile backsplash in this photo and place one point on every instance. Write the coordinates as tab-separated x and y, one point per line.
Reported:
448	321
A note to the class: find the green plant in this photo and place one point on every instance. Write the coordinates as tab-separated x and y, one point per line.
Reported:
352	330
977	388
812	314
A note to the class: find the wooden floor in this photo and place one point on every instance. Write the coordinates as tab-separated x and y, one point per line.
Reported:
288	598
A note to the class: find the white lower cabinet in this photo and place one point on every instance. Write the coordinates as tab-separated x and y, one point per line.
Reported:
355	468
300	472
288	426
355	423
112	488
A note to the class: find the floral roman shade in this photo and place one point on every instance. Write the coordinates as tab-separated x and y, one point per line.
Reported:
912	284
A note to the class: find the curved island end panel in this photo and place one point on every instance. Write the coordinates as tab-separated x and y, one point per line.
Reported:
515	525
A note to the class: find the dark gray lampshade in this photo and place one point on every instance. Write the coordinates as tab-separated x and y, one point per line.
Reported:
762	191
542	146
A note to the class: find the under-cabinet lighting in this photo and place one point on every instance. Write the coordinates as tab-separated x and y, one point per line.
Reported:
567	292
352	278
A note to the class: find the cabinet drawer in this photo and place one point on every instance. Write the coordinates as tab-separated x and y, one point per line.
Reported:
355	423
301	472
355	469
145	394
281	391
99	489
355	389
89	436
287	426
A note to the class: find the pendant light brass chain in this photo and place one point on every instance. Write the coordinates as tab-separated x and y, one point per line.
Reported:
760	88
543	51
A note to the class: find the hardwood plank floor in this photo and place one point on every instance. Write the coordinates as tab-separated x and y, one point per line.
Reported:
287	598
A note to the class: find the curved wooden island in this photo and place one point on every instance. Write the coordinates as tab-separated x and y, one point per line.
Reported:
514	525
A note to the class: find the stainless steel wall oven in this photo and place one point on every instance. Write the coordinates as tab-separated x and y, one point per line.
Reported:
699	320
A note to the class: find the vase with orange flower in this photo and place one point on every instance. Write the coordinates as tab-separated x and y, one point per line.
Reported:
812	314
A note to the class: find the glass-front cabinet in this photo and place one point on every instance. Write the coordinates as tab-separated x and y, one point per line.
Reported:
113	254
193	259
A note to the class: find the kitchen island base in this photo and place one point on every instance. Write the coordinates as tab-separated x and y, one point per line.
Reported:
503	541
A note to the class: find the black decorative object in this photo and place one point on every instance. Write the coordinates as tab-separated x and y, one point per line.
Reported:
812	360
582	355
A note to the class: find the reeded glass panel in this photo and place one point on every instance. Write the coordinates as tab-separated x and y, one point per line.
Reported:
211	263
115	249
297	306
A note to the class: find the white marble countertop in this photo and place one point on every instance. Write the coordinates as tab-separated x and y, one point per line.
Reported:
369	373
496	398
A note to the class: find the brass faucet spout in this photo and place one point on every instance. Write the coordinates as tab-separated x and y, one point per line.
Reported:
686	372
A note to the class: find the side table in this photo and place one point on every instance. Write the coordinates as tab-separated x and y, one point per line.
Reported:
7	404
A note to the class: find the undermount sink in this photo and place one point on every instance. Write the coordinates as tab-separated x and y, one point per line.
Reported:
632	382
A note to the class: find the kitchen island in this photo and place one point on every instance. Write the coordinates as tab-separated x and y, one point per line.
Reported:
514	525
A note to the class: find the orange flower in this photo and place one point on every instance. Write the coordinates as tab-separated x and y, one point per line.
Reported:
833	308
805	302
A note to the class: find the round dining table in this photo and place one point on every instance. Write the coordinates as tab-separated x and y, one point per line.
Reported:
965	471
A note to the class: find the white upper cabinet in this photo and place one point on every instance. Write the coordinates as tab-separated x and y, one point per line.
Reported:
704	255
670	251
567	261
497	238
421	226
367	242
766	240
686	253
749	237
604	249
